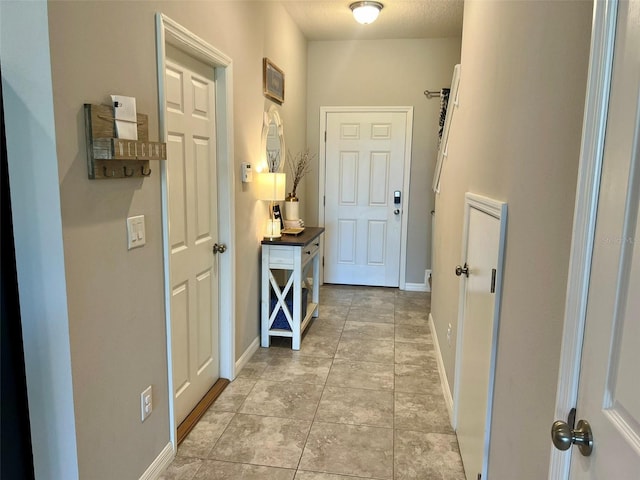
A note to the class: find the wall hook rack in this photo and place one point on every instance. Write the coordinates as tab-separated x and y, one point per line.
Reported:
121	157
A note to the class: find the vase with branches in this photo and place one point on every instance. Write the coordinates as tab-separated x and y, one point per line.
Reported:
299	165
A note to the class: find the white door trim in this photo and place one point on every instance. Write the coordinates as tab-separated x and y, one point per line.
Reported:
497	210
170	32
322	163
584	219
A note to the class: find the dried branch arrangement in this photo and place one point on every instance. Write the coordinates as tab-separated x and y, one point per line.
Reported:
299	165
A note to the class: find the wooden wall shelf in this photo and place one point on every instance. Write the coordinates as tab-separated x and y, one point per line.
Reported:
112	157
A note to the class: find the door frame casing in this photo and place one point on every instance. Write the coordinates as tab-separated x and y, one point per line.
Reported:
584	223
498	210
322	164
172	33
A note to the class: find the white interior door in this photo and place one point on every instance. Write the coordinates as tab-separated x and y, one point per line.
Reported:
193	228
477	329
609	391
365	162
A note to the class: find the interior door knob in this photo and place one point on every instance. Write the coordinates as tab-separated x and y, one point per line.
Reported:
460	270
219	248
563	436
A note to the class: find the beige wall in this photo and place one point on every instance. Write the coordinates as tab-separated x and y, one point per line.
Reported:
516	138
115	296
383	73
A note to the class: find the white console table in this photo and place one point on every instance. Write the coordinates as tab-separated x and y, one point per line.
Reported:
296	254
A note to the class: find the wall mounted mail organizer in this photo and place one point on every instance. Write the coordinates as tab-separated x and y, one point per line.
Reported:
111	157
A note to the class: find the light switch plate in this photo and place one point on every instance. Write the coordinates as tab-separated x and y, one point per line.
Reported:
136	236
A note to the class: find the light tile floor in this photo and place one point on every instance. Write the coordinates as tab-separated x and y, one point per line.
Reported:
361	399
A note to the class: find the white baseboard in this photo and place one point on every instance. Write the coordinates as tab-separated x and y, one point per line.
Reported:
419	287
448	399
159	465
246	356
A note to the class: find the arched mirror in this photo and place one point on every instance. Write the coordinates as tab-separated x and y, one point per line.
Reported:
273	150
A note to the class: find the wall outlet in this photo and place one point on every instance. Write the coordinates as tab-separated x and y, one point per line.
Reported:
449	330
146	402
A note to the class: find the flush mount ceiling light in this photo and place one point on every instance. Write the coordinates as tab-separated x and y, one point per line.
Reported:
366	12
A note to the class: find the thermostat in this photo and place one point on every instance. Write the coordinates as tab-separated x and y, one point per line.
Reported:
247	173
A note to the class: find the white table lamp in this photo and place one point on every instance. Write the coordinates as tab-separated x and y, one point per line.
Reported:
272	189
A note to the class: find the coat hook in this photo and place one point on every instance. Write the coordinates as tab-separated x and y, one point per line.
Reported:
147	173
104	172
128	174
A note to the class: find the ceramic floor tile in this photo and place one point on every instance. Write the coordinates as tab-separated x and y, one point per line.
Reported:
413	334
421	412
374	302
411	317
415	354
268	441
287	400
298	369
325	325
205	434
373	376
375	351
325	476
217	470
359	314
368	330
332	313
319	344
420	456
349	450
356	407
416	379
230	400
181	469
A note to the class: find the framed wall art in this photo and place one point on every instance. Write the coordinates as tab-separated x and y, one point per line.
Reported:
272	81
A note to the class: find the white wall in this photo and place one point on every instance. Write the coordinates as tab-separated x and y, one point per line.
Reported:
382	73
516	138
35	201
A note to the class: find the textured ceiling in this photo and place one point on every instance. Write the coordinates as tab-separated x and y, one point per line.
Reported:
332	19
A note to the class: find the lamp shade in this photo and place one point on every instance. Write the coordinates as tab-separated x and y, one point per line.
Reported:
272	186
366	12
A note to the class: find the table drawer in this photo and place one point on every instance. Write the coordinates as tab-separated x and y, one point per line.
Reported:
281	256
310	249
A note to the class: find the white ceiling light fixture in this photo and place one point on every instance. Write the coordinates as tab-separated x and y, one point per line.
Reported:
366	12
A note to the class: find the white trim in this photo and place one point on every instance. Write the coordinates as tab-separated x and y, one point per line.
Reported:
419	287
444	382
159	465
322	163
498	210
248	353
170	32
584	218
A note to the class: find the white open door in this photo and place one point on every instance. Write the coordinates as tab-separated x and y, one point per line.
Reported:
608	394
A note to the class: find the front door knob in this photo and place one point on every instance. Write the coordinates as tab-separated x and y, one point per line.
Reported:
460	270
563	436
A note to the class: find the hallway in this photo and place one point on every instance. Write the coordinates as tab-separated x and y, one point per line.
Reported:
361	399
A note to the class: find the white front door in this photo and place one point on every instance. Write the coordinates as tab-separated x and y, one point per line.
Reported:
477	329
364	197
193	228
609	390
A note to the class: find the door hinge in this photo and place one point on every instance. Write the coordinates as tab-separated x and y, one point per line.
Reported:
325	136
324	200
323	261
493	280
